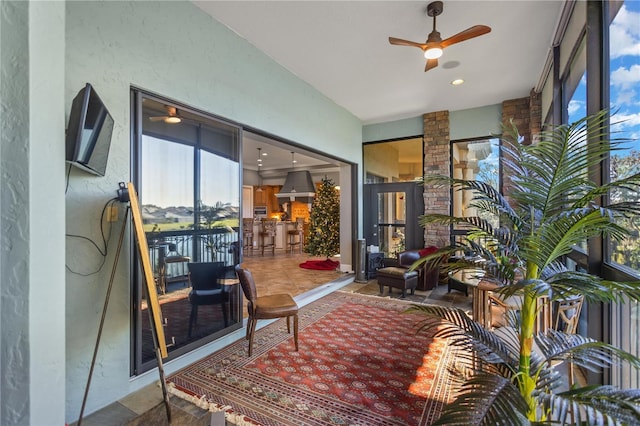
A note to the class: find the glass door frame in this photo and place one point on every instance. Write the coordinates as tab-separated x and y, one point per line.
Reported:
414	207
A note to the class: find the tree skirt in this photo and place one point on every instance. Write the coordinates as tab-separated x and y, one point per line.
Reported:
360	362
320	265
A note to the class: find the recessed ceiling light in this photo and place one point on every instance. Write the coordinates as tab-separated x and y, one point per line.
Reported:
457	82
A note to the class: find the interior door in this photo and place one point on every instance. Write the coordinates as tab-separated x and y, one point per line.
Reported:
391	212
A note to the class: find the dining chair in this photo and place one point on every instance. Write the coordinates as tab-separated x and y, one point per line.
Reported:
266	307
567	314
206	289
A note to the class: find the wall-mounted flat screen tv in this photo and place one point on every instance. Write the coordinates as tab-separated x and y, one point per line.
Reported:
89	132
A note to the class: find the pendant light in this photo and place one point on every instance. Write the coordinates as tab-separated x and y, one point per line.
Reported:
259	165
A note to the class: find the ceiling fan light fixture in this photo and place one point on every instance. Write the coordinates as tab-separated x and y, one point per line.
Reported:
434	45
433	53
172	119
457	82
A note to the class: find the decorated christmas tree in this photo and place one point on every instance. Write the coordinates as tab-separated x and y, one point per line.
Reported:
324	230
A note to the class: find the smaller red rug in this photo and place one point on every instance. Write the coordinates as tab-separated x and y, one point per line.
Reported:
320	265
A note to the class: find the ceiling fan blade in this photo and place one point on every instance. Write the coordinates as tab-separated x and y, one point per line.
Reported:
159	118
401	42
431	63
475	31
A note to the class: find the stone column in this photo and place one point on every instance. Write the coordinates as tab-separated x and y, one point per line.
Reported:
437	161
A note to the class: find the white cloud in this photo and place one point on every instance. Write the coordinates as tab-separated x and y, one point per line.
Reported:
625	122
624	33
624	97
574	106
624	77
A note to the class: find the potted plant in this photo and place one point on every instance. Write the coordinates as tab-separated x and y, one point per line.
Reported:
552	205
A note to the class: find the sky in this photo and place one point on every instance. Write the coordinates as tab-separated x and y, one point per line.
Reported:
167	175
625	76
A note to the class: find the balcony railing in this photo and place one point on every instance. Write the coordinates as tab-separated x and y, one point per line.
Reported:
169	251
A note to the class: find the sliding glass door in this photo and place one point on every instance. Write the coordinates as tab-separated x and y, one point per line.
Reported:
187	172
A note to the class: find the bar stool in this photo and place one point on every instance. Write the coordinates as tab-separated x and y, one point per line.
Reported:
268	232
297	231
247	235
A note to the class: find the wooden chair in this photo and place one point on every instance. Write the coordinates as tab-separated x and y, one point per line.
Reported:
268	235
296	235
266	307
493	311
567	314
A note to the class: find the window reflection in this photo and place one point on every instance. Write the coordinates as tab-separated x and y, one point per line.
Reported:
189	190
623	62
391	221
625	123
396	161
475	160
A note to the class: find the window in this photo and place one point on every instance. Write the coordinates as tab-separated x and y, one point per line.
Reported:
474	160
396	161
575	90
188	181
624	87
624	65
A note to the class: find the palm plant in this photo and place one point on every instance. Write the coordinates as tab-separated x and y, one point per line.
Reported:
552	205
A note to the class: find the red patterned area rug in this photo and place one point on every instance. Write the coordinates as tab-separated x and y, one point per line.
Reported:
360	362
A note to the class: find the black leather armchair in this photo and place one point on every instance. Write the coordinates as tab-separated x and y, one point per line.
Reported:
400	277
427	276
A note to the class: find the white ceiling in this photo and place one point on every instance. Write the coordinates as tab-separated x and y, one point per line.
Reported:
341	48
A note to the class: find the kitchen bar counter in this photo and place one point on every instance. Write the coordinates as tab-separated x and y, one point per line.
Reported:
281	234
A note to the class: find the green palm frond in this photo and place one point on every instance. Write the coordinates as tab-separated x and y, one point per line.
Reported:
630	183
594	405
535	287
551	204
486	399
582	351
552	172
465	333
595	289
558	237
485	195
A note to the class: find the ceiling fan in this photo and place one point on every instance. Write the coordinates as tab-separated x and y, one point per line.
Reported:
434	45
172	116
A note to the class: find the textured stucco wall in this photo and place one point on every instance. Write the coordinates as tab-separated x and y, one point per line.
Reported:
32	283
173	49
466	123
14	203
46	212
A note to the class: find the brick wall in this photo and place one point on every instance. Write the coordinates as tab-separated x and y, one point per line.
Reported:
535	114
526	114
437	160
